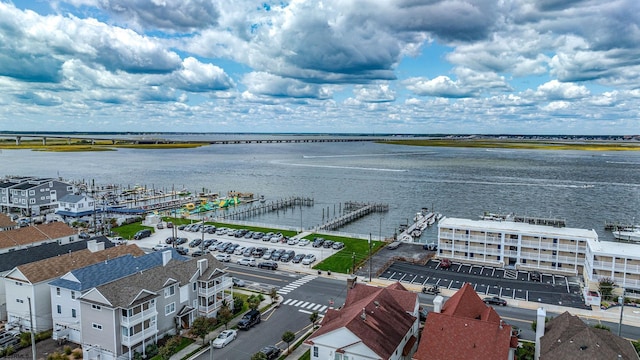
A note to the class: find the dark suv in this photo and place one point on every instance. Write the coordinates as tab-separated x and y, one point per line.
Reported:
249	319
271	351
272	265
142	234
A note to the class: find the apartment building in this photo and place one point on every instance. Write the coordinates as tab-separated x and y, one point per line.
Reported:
618	261
122	317
65	291
514	244
28	284
31	194
76	206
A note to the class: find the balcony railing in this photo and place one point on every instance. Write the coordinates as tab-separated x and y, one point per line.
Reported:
214	306
134	339
138	318
212	290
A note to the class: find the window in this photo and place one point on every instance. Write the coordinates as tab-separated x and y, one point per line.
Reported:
170	308
59	309
171	290
73	294
73	313
18	283
315	351
195	286
20	301
96	326
32	201
32	192
96	307
58	291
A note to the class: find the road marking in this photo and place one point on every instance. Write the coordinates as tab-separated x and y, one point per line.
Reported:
294	285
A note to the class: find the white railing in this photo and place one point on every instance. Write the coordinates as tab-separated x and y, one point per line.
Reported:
224	285
129	341
138	318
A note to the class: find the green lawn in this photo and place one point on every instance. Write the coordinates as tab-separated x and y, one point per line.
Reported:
354	251
127	231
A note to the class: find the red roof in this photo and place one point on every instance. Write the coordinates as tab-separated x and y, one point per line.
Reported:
466	328
379	317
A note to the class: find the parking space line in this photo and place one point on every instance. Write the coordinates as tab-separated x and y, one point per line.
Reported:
403	276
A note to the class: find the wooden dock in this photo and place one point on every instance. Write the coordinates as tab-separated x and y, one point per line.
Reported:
355	211
255	210
616	225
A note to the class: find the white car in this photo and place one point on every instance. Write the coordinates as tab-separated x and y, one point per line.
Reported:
303	242
247	261
223	257
224	339
239	250
267	254
292	241
308	259
160	247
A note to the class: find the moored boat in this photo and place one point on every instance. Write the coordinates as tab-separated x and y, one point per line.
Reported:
627	234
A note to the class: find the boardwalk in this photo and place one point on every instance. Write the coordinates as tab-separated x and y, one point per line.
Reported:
360	211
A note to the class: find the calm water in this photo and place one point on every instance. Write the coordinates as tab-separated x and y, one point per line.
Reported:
585	188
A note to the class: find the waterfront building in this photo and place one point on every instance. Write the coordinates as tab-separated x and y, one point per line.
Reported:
31	195
77	206
28	284
617	261
65	291
514	245
122	317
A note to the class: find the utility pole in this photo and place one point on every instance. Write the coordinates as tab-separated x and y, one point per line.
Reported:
211	349
621	301
370	259
353	263
33	335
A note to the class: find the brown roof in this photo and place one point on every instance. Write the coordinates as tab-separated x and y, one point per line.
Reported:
54	267
567	337
6	221
466	328
34	234
383	323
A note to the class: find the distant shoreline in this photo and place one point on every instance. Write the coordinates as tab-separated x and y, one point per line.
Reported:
523	144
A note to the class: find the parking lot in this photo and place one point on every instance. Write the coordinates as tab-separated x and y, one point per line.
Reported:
160	236
489	281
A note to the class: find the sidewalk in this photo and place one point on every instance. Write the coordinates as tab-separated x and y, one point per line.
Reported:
212	335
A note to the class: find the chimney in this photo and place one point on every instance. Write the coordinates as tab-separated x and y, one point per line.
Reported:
351	282
94	246
438	301
203	264
540	323
166	257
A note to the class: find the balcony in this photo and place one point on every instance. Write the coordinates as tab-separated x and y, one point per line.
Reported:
138	318
135	339
226	284
214	306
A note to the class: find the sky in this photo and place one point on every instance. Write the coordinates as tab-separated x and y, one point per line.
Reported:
344	66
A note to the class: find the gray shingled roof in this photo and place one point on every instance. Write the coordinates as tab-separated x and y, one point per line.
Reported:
36	253
71	198
104	272
124	292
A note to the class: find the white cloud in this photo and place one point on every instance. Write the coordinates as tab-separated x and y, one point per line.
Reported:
555	90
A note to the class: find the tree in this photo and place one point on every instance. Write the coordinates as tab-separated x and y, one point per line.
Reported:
603	327
238	304
254	301
202	326
606	286
313	318
259	356
288	337
224	314
526	351
273	293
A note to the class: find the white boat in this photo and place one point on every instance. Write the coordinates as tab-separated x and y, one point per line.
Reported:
627	234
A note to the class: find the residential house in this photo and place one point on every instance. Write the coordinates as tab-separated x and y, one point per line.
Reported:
567	337
30	236
31	194
65	291
6	223
374	323
122	317
25	255
28	284
465	328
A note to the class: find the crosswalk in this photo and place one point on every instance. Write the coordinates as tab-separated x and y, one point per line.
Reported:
294	285
306	306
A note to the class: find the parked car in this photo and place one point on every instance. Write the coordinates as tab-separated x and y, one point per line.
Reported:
169	225
293	241
337	245
308	259
267	254
224	338
142	234
248	235
118	240
181	227
277	254
170	240
239	250
298	258
252	317
494	300
271	265
238	282
303	242
248	251
198	253
208	243
231	248
257	235
327	244
181	240
160	247
287	256
182	250
394	245
246	261
223	257
271	352
317	242
160	226
195	242
258	252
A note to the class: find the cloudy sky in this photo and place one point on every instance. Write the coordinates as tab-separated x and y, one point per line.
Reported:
347	66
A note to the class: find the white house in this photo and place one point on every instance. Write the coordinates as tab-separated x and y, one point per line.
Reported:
374	323
65	291
29	283
76	206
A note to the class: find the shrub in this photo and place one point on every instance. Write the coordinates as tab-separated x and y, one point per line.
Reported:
67	349
77	353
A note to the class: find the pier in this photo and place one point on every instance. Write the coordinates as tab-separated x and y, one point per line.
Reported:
355	211
264	208
422	221
616	225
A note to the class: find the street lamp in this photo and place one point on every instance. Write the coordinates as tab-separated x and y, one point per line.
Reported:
621	301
